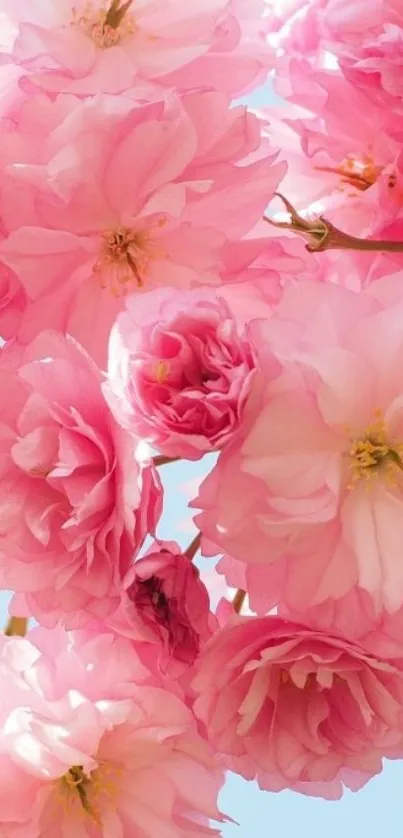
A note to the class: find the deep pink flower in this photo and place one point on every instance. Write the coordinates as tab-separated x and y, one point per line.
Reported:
165	603
297	708
313	481
180	371
95	756
82	235
75	502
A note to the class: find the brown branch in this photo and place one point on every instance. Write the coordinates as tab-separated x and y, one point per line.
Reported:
160	460
194	547
16	626
322	235
238	601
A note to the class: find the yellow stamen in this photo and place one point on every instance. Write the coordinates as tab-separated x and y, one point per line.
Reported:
359	172
76	782
106	26
161	372
93	793
124	258
373	454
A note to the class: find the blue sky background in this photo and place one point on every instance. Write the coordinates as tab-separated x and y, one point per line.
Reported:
375	812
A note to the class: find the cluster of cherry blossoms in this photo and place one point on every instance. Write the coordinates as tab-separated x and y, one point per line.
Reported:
153	308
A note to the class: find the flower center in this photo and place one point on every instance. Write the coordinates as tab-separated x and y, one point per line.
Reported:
151	591
373	453
76	785
92	793
357	172
107	24
124	258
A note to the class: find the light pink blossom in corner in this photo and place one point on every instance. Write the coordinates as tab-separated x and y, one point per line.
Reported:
97	756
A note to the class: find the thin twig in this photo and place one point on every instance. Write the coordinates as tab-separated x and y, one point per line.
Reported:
161	460
16	626
194	547
238	601
323	235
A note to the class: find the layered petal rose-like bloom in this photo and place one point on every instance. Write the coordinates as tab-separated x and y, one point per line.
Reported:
76	504
165	603
99	759
82	233
365	38
297	708
107	46
180	371
312	487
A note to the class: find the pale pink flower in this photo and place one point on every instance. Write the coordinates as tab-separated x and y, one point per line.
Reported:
99	758
82	234
75	503
106	46
314	479
111	45
297	708
165	603
180	371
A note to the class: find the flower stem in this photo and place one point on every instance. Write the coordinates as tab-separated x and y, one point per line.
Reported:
16	626
160	460
238	601
322	235
194	547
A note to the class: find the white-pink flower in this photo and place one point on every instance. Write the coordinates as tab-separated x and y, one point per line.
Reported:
108	46
312	488
95	757
75	503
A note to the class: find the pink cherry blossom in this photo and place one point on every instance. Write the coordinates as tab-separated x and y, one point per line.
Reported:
81	237
297	708
106	46
179	371
110	45
165	603
99	758
313	481
347	170
75	502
